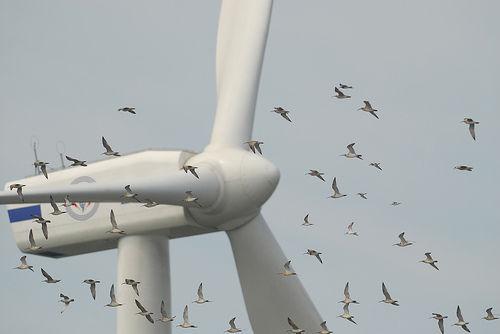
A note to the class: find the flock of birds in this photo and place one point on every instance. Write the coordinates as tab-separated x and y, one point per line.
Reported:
255	147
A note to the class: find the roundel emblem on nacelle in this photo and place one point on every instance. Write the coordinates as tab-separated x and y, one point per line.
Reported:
84	210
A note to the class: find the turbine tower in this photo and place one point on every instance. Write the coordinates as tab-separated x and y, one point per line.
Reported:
233	185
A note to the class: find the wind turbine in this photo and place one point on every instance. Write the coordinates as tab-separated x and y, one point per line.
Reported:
233	185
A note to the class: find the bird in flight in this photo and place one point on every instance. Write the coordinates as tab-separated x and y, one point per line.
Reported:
316	173
440	318
43	167
76	162
347	296
43	222
471	123
92	284
388	299
113	302
185	317
324	329
232	327
461	322
350	230
340	94
109	151
134	284
201	299
33	247
346	315
191	198
164	316
55	208
336	192
191	169
315	253
66	300
368	108
255	145
376	165
287	270
144	312
49	278
295	329
130	110
24	265
464	167
395	203
284	113
306	221
403	242
489	314
114	225
363	195
129	194
19	189
429	260
351	153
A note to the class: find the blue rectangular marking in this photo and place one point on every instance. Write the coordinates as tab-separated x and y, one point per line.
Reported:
24	213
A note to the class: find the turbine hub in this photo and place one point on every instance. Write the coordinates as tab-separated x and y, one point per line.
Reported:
247	180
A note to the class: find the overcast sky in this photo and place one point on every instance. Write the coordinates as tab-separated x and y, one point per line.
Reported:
66	66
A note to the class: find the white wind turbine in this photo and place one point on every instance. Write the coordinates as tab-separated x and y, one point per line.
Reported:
233	184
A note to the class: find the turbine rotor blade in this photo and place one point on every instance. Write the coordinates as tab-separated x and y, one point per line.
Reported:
269	298
241	41
165	189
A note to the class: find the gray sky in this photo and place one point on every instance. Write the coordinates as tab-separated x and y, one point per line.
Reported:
66	66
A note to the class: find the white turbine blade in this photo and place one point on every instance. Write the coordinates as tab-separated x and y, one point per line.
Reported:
241	41
269	297
166	189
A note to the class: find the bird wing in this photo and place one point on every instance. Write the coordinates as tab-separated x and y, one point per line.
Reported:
252	146
200	291
106	145
112	292
162	309
323	326
434	265
472	131
488	311
127	188
334	185
349	227
112	219
47	276
72	159
428	256
53	204
139	305
346	308
367	104
43	168
346	291
385	292
20	193
150	319
45	231
351	148
320	177
32	243
318	257
465	328
136	289
285	116
292	324
185	314
231	323
23	259
306	219
193	171
441	325
459	314
402	237
287	265
257	147
92	290
374	114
